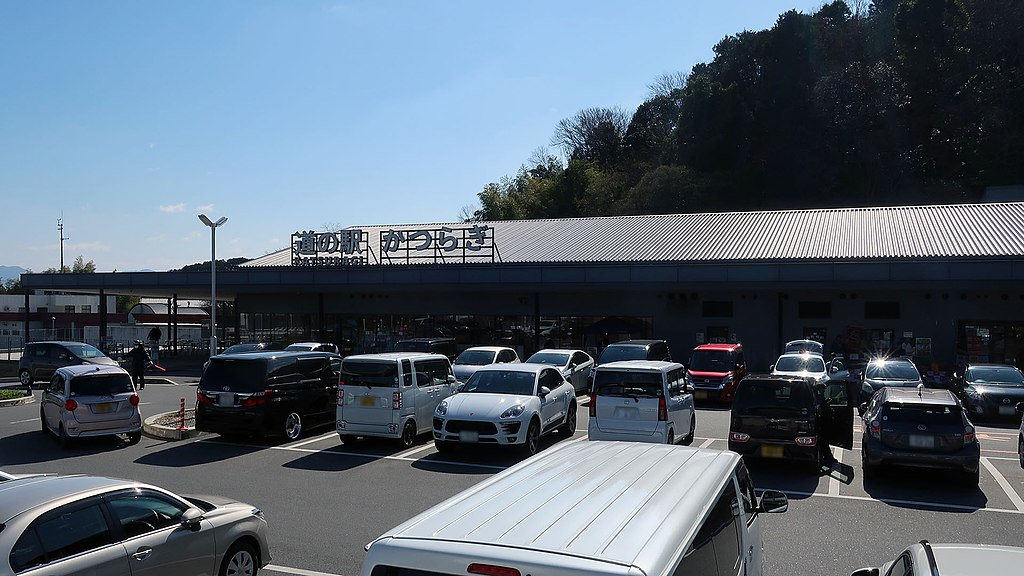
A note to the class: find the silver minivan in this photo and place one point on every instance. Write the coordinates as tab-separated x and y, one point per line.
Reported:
89	400
589	509
641	401
391	395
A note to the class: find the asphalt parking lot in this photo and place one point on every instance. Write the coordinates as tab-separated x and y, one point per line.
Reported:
325	500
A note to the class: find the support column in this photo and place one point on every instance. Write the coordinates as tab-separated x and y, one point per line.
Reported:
168	348
25	324
173	335
238	323
320	318
103	322
779	342
536	321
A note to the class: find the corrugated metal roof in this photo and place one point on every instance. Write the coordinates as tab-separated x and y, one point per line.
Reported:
946	231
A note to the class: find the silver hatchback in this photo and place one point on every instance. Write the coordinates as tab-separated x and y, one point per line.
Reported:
90	400
65	525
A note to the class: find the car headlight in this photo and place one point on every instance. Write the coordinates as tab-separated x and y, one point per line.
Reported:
727	379
867	389
513	412
973	393
442	408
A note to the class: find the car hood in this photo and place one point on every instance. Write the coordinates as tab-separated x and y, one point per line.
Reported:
877	384
1009	391
102	360
480	405
802	373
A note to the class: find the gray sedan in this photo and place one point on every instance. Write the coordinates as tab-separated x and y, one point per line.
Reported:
57	525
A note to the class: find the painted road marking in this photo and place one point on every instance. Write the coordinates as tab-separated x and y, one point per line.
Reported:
707	442
23	421
833	481
415	450
324	436
1014	497
916	503
297	571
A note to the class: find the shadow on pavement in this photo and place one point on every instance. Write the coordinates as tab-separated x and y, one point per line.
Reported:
796	479
918	487
198	453
39	447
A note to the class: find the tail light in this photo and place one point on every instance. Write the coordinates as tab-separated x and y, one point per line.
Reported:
257	399
593	405
202	398
662	410
739	437
134	400
70	405
968	433
875	429
806	440
396	400
340	399
491	570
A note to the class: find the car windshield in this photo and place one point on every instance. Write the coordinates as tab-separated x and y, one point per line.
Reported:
412	346
710	361
628	384
802	363
501	382
618	352
995	376
369	373
240	348
101	385
475	357
922	414
767	395
550	358
85	351
238	374
891	371
805	346
300	347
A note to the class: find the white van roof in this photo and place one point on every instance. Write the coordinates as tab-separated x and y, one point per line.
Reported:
654	365
629	504
395	356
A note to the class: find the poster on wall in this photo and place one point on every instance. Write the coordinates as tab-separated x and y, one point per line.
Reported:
923	347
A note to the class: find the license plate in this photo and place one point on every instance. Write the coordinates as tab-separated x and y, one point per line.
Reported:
370	401
921	441
1007	410
226	399
103	408
771	451
469	436
701	395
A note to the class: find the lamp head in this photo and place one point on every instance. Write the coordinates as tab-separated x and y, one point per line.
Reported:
221	220
206	220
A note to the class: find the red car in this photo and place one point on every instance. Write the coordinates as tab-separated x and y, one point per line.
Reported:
714	370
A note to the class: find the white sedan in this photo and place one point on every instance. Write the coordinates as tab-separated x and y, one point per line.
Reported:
471	359
803	364
574	364
507	405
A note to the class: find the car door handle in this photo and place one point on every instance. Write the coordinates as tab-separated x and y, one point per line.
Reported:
142	553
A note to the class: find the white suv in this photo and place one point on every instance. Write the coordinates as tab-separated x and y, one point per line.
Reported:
508	405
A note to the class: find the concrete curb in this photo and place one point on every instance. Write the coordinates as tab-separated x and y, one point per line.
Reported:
152	429
18	401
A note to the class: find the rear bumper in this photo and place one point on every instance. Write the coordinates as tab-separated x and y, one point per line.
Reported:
757	448
657	436
389	430
966	459
233	422
78	430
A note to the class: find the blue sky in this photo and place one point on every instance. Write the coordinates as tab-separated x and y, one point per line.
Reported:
132	117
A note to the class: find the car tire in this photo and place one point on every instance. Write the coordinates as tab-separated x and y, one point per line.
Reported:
1020	450
42	421
870	471
408	437
349	439
569	428
25	377
670	439
65	440
971	479
531	444
240	560
134	437
292	426
693	430
815	464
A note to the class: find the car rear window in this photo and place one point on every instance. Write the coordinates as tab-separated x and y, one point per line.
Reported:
239	374
84	351
628	384
922	414
550	358
412	346
475	357
369	373
801	363
772	394
710	361
101	385
615	353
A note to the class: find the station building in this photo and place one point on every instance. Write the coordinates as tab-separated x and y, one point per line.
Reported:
944	284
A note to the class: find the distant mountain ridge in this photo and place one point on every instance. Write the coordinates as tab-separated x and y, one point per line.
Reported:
11	272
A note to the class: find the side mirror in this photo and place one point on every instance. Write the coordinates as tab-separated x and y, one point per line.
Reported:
544	391
865	572
460	387
773	501
862	408
1020	408
771	368
834	369
451	379
191	518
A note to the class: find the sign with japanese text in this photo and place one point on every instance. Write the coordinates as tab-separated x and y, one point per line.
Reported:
330	249
438	245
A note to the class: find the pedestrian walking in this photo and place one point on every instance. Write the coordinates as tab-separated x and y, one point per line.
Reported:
154	343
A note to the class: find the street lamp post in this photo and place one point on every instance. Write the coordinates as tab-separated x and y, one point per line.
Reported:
213	278
53	327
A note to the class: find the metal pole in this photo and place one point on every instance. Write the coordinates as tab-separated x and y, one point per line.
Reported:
213	291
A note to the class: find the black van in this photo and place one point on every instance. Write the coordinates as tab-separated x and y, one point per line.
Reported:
445	346
268	393
790	417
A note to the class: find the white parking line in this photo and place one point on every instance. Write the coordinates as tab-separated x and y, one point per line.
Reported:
916	503
707	442
376	456
323	436
833	482
415	450
1014	497
298	571
23	421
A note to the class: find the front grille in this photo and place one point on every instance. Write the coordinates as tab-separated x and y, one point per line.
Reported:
483	428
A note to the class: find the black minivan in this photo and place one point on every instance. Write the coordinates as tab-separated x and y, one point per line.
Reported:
789	417
268	393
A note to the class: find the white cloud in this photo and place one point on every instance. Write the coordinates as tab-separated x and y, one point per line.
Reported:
192	236
205	208
173	208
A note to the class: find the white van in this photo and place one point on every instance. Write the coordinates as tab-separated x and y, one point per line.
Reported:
591	508
391	395
641	401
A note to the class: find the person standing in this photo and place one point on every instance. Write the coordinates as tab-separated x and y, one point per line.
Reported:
139	359
154	343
